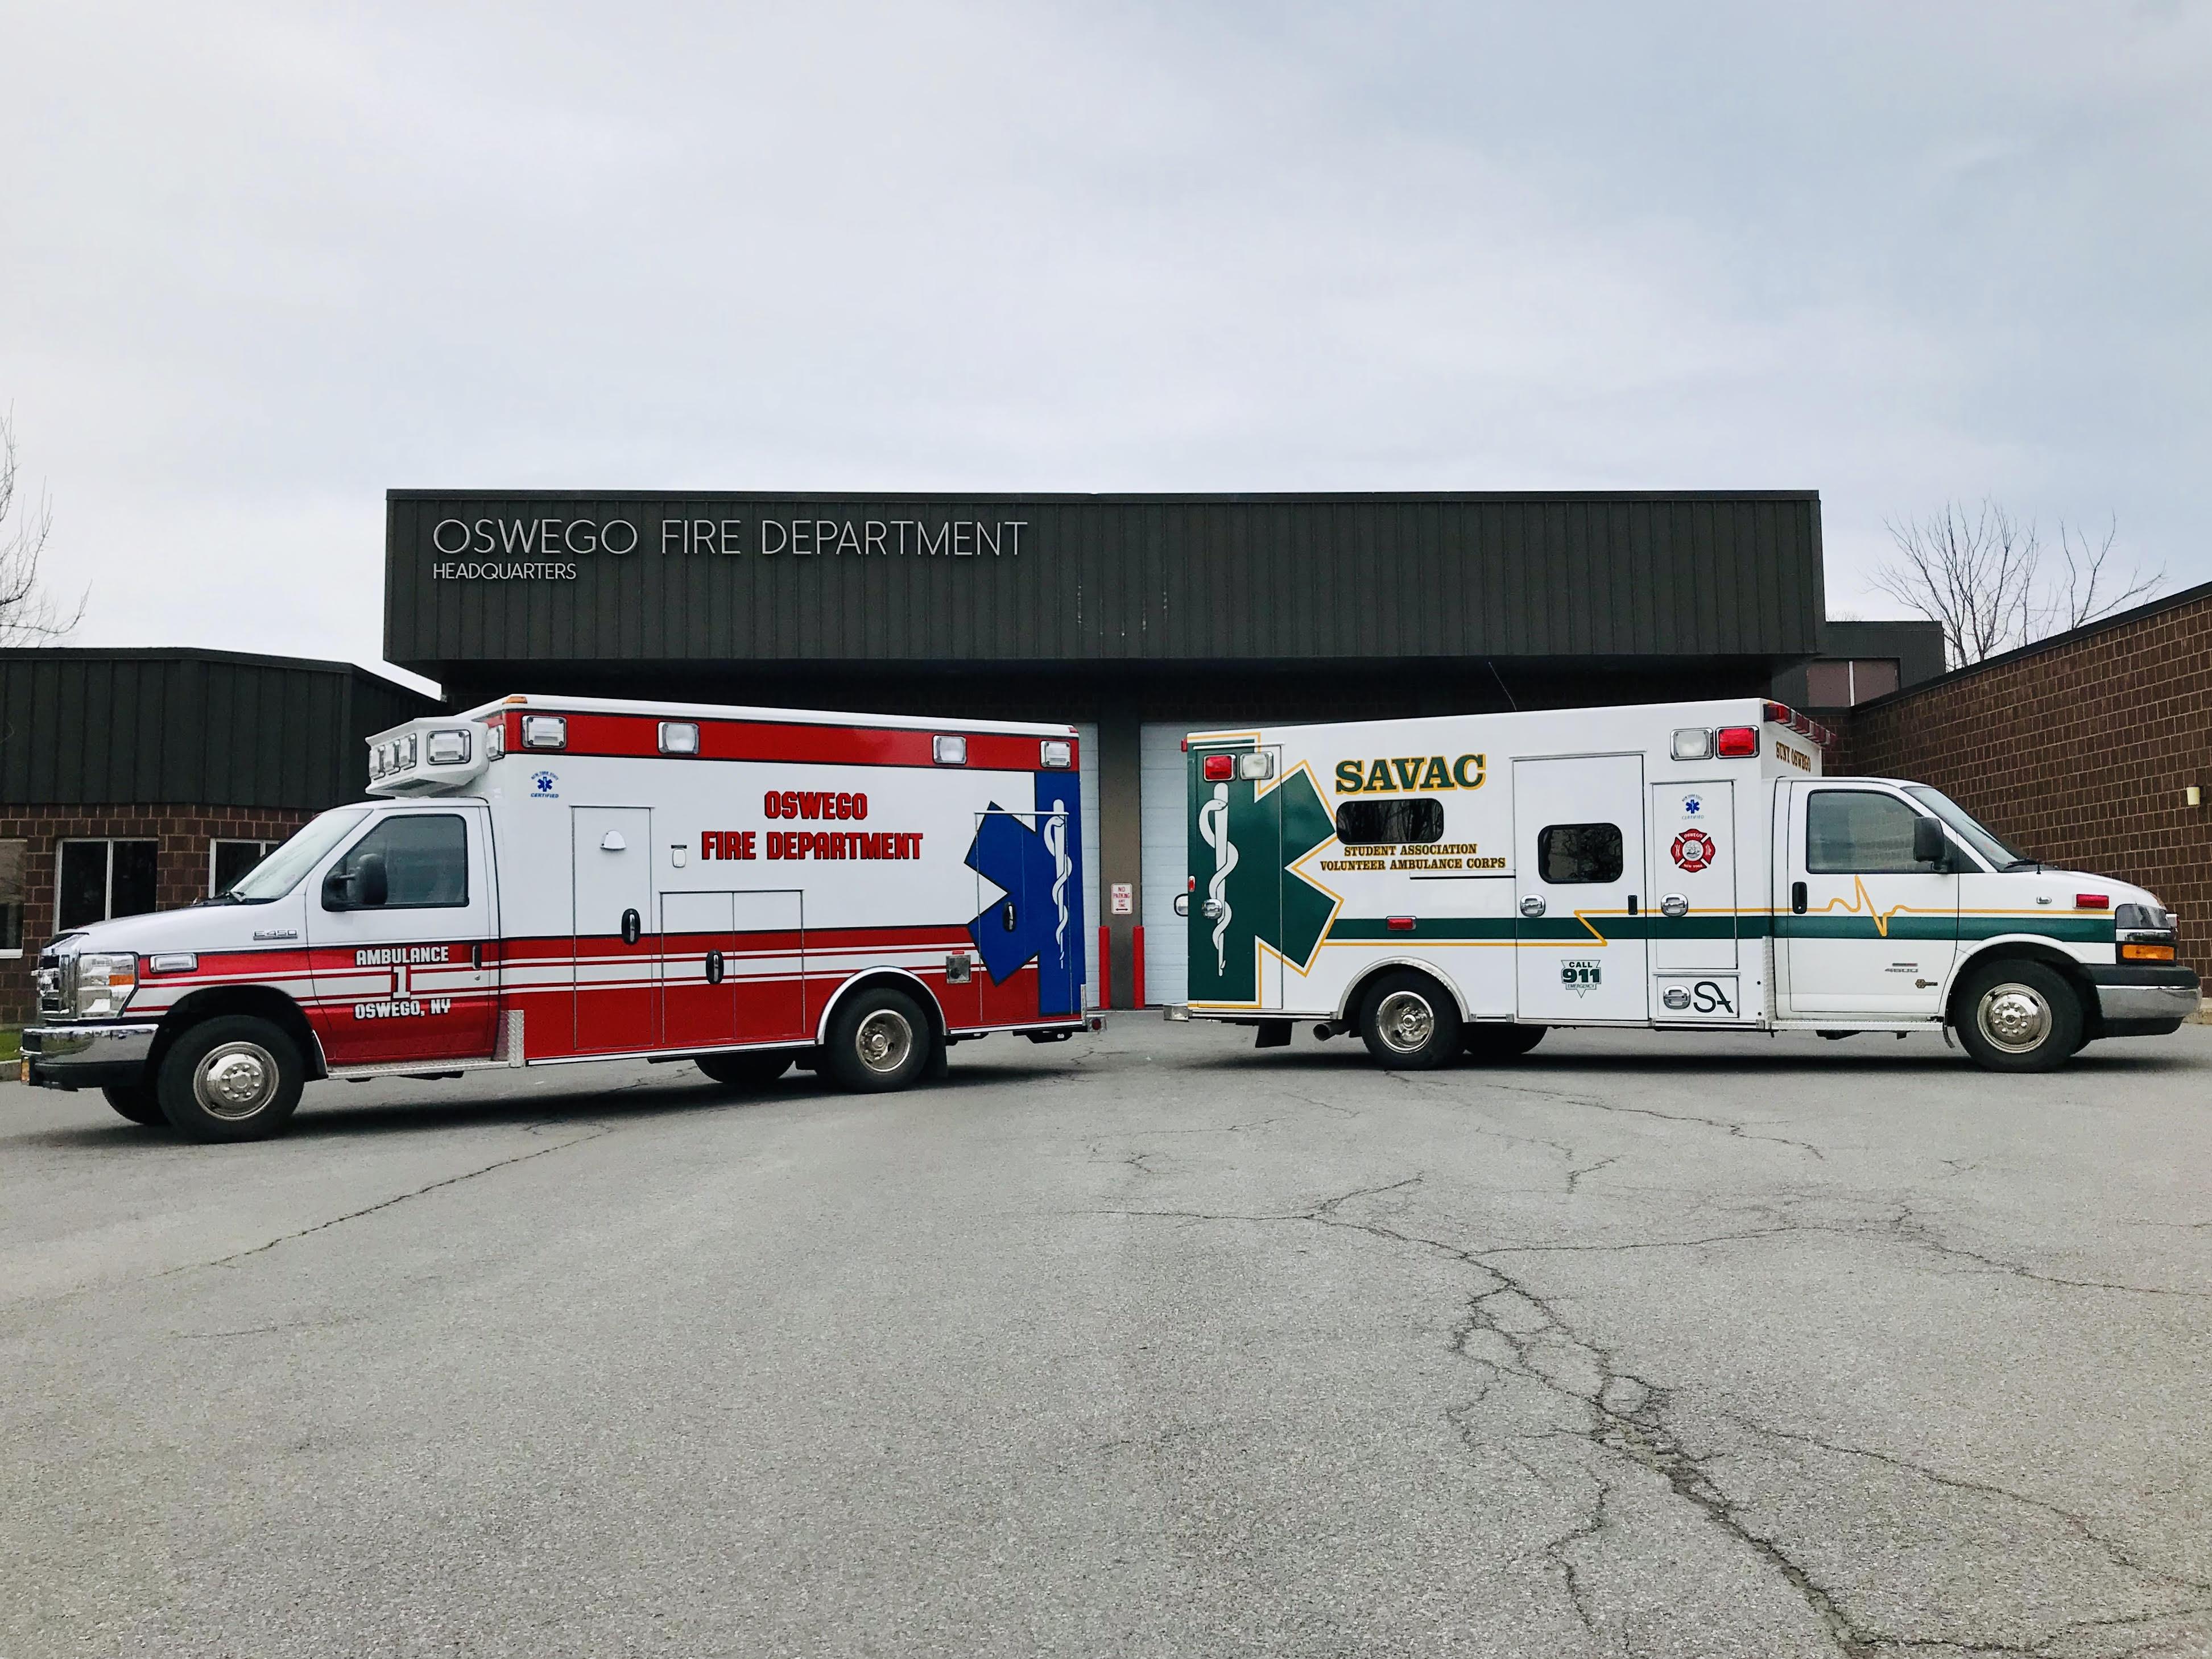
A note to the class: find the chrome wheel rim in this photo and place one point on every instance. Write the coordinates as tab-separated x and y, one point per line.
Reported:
235	1080
1406	1021
2013	1017
884	1040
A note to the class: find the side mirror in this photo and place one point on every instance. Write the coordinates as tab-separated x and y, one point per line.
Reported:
1929	844
335	894
371	885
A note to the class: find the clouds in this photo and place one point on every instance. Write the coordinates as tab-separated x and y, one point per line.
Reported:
265	262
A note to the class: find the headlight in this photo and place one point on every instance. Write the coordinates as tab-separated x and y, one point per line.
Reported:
101	985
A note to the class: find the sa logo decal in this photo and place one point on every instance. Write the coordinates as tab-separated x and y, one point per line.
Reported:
1694	850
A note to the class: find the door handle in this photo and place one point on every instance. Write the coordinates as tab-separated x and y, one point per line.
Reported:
1673	905
713	967
1631	904
1796	898
632	926
1006	914
1533	905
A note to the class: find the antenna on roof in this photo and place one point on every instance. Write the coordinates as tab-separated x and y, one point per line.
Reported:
1500	679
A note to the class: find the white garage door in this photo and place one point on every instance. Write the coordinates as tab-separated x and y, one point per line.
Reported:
1094	914
1166	850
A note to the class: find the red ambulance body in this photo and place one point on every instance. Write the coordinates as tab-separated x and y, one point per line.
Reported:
553	880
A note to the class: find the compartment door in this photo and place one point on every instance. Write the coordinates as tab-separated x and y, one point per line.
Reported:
1582	930
698	993
617	949
767	966
1697	930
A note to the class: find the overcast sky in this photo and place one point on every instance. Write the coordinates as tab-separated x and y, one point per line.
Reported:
259	264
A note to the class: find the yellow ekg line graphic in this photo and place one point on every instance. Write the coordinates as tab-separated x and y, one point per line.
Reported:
1860	903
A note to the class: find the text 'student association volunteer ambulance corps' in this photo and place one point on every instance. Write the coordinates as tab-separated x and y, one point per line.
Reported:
552	879
1460	884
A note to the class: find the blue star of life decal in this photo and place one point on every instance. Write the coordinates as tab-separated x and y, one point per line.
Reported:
1034	922
1692	807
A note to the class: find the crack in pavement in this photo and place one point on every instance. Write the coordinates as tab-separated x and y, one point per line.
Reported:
1738	1131
385	1203
1509	1331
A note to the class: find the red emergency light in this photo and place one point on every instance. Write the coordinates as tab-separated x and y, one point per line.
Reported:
1220	768
2092	902
1736	742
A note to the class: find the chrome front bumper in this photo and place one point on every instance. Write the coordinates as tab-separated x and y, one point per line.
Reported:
75	1056
2135	997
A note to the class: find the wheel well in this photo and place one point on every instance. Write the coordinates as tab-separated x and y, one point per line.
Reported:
1348	1010
896	980
2073	971
257	1000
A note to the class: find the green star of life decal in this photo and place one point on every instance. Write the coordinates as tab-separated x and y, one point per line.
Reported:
1249	898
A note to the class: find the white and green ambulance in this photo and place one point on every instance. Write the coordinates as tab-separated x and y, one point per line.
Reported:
1460	884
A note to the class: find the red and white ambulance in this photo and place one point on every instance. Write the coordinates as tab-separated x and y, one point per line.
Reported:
545	880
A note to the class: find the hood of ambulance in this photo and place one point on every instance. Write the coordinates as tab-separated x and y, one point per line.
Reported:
2032	888
201	927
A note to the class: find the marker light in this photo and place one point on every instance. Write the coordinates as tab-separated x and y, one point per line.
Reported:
1694	743
407	749
1399	924
1736	742
1219	768
544	731
948	751
2092	902
447	748
376	760
679	736
1056	751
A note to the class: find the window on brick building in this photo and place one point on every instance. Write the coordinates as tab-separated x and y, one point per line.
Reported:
1842	682
13	854
229	860
96	880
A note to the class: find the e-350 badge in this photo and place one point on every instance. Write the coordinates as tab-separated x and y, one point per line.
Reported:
1579	977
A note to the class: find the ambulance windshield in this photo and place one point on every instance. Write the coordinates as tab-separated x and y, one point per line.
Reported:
1998	855
280	872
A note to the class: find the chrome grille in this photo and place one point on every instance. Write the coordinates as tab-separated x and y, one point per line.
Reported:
54	991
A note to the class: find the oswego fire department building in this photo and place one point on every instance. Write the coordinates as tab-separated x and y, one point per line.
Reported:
1136	618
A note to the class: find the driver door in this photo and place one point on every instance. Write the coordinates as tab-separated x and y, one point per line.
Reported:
404	978
1872	928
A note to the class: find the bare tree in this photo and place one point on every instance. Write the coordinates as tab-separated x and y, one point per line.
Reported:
29	613
1984	578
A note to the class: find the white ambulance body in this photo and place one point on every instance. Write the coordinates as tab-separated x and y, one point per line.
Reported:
1463	883
552	879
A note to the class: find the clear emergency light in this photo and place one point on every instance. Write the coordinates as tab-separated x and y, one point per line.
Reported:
544	731
1056	751
448	748
948	751
679	736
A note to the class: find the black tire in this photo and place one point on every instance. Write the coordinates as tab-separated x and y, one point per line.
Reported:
745	1071
1409	1022
880	1039
235	1077
2017	1015
137	1102
1493	1045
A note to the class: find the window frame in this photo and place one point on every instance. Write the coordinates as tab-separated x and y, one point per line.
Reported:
107	876
23	899
1805	851
1620	866
214	841
376	826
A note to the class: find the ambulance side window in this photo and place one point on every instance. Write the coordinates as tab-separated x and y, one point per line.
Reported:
426	860
1571	852
1857	832
1390	823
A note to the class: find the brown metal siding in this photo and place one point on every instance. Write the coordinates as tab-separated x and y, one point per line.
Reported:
206	728
1156	580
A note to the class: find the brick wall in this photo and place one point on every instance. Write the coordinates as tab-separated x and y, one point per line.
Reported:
2077	752
180	868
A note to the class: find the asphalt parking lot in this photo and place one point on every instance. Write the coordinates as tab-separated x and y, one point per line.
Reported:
1145	1344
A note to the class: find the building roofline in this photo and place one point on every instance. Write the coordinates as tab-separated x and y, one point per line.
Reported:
1113	497
2052	642
201	653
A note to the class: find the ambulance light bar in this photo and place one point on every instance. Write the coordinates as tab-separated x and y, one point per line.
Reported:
495	740
1056	752
448	748
679	736
948	751
1779	714
544	731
